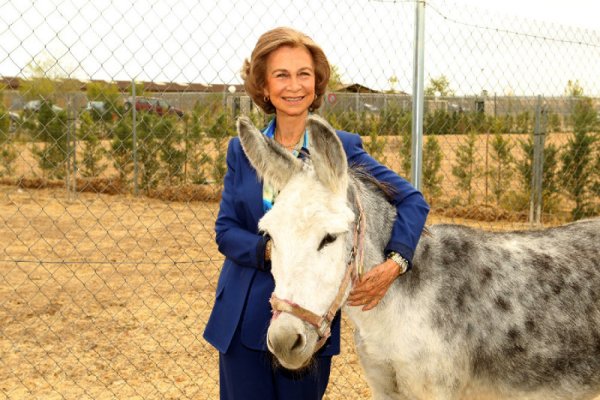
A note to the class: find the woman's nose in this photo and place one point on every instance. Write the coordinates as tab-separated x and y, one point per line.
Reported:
294	83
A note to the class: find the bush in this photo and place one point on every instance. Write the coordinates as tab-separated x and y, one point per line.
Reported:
92	164
220	132
578	159
8	153
52	130
550	187
465	169
122	148
502	169
432	164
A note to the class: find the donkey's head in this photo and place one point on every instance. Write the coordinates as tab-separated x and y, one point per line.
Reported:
309	225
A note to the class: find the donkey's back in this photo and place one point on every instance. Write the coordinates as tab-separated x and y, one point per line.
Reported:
518	312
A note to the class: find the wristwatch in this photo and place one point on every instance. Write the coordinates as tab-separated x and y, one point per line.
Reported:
398	259
268	247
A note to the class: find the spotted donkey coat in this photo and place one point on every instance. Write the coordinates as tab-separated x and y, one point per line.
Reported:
513	315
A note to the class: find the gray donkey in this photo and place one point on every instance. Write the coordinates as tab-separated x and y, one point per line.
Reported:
481	315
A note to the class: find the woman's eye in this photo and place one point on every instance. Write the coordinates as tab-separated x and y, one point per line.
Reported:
328	239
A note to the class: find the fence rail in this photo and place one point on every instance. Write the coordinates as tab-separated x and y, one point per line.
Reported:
108	195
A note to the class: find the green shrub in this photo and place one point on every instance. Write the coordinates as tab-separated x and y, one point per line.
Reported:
197	146
220	132
578	159
52	131
465	169
502	169
432	165
171	154
122	148
92	164
550	188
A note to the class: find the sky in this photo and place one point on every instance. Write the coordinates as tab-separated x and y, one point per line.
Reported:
523	47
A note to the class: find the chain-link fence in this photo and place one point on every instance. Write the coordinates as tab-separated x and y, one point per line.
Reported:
113	128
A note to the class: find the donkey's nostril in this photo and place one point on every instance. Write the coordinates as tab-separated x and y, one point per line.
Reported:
299	343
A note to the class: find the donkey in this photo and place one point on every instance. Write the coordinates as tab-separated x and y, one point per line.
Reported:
513	315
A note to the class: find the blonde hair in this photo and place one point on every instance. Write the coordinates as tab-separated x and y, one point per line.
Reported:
254	71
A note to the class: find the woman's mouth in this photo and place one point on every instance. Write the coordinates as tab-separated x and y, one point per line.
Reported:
293	99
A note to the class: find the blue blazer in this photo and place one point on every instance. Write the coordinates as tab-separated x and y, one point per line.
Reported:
245	284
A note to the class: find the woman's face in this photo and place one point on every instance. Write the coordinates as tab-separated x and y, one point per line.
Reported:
290	81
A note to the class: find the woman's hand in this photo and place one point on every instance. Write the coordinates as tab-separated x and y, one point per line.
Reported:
373	285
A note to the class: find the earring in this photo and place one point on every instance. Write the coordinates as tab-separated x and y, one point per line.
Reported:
266	99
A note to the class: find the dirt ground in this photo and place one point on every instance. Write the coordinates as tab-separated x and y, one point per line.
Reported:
107	296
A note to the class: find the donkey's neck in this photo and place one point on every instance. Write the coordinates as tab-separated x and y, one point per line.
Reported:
378	212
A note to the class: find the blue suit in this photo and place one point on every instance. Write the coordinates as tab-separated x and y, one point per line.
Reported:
242	306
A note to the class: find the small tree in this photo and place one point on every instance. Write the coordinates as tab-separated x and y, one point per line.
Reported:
4	116
197	145
151	132
122	148
335	79
432	165
596	184
574	88
578	161
393	81
93	152
8	153
220	132
502	169
439	86
523	122
549	176
405	152
172	156
52	156
465	169
376	144
8	156
554	122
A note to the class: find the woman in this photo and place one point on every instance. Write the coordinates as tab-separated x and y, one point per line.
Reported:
287	75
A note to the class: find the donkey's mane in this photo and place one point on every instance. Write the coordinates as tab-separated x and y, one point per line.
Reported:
359	173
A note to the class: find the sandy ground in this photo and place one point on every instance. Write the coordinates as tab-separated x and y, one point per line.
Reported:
107	296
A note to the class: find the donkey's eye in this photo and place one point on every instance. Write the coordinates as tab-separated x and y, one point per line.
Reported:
329	238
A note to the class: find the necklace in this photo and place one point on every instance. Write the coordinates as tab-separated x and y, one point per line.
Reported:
287	146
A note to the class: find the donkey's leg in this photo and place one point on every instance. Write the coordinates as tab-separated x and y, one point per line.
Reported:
380	374
426	381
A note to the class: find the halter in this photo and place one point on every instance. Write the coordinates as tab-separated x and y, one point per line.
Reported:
322	323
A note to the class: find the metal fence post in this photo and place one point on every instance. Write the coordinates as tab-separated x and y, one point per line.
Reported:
73	126
134	133
418	96
537	167
68	149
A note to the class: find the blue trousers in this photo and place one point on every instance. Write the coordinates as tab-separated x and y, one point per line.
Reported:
246	374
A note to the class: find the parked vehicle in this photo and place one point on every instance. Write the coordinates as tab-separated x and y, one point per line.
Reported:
154	105
370	107
35	105
98	106
99	110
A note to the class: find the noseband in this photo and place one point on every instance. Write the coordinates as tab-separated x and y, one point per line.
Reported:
322	323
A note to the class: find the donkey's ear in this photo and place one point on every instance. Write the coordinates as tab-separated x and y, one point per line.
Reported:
327	154
272	162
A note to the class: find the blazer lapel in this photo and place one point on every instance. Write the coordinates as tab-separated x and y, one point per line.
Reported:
253	190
